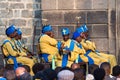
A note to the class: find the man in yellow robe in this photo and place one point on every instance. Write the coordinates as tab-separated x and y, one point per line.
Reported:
64	58
78	39
89	45
48	44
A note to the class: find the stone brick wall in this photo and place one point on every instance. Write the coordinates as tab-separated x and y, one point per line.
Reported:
24	14
100	16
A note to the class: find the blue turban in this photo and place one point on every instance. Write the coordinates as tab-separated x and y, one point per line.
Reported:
19	32
80	29
11	29
46	28
65	31
75	35
85	28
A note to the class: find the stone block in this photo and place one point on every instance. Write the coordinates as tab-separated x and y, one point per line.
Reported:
38	32
53	17
96	17
27	31
4	5
118	31
17	6
3	22
29	6
101	44
37	0
112	46
63	4
72	29
55	31
37	14
37	6
34	6
2	31
70	17
113	17
48	4
6	13
27	14
26	1
83	4
100	4
2	38
18	22
17	13
112	31
2	0
117	4
112	4
99	31
30	22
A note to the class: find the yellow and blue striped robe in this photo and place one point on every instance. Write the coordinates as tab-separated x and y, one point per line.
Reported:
48	45
9	49
75	53
89	45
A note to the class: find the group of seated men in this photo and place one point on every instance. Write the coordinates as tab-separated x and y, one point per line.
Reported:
69	50
14	50
76	49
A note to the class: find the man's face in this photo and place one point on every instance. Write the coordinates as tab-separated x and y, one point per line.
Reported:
79	39
65	37
13	35
18	37
86	34
50	33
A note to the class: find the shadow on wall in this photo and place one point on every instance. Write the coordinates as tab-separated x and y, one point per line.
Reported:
118	57
36	22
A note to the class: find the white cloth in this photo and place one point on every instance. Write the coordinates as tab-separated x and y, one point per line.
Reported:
65	75
89	77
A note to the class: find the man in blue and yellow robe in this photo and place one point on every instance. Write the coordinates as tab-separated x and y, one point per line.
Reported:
48	44
11	52
90	46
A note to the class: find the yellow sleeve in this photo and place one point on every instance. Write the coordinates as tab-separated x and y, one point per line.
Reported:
78	50
22	53
73	56
88	45
10	50
49	40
